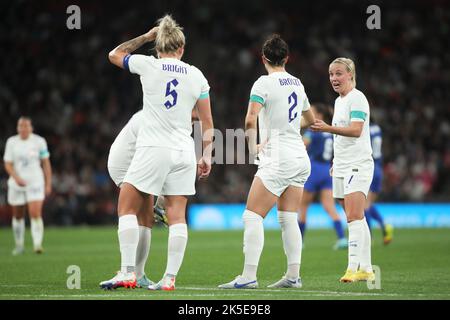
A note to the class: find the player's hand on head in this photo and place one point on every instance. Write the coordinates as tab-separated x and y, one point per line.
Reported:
151	35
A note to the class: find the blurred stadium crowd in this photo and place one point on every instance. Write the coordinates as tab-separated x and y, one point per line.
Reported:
79	102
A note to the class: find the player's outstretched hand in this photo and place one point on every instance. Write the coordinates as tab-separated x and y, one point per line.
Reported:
204	168
319	126
151	35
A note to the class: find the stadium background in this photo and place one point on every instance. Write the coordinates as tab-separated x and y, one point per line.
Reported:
79	102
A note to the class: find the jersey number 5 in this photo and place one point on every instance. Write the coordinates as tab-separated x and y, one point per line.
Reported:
292	99
172	93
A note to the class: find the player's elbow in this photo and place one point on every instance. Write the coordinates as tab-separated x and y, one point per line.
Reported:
356	133
112	56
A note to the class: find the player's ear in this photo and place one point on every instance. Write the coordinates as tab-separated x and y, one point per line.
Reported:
286	59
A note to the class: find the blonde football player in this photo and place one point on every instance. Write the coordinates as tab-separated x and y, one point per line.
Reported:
278	100
353	164
30	181
164	162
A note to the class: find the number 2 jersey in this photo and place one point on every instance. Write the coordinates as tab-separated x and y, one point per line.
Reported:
26	156
170	89
284	99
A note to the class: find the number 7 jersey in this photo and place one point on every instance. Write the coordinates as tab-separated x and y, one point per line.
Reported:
284	99
170	89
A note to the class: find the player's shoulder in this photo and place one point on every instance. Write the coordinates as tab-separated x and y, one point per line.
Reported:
262	80
357	94
37	138
13	139
194	70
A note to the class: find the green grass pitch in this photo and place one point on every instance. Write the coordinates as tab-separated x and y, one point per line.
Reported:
415	266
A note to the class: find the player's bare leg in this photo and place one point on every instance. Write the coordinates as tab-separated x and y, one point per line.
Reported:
18	227
37	224
259	202
145	221
130	203
359	242
288	206
178	236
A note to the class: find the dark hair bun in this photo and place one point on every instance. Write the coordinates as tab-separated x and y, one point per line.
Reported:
276	50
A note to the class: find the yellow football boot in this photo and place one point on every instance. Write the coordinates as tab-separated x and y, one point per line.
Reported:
389	234
349	276
361	275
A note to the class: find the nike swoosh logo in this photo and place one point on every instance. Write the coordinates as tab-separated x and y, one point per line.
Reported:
290	281
238	286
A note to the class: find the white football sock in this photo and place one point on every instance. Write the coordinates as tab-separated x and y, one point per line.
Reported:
355	243
143	248
18	226
37	231
178	236
128	241
366	260
292	242
253	243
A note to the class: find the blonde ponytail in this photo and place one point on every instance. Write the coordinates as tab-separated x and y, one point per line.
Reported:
170	36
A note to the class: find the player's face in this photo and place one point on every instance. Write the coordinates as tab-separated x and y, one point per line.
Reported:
340	78
24	128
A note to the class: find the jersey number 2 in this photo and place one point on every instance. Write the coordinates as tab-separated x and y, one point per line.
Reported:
172	93
292	101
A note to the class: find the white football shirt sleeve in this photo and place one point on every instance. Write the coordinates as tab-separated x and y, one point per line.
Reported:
138	63
359	107
8	156
204	92
259	92
306	106
43	149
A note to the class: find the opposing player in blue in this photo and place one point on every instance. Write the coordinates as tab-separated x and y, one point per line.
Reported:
371	211
320	149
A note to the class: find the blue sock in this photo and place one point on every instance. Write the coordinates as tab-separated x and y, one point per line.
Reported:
377	217
368	219
339	230
302	226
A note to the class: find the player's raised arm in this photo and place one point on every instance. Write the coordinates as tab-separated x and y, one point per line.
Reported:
118	55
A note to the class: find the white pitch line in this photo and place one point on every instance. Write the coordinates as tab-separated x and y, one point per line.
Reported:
299	291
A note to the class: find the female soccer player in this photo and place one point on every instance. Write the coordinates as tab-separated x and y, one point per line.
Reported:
352	164
119	160
320	150
277	100
30	181
164	162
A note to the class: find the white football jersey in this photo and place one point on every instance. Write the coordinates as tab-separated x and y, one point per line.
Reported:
350	152
26	156
171	89
124	146
284	99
